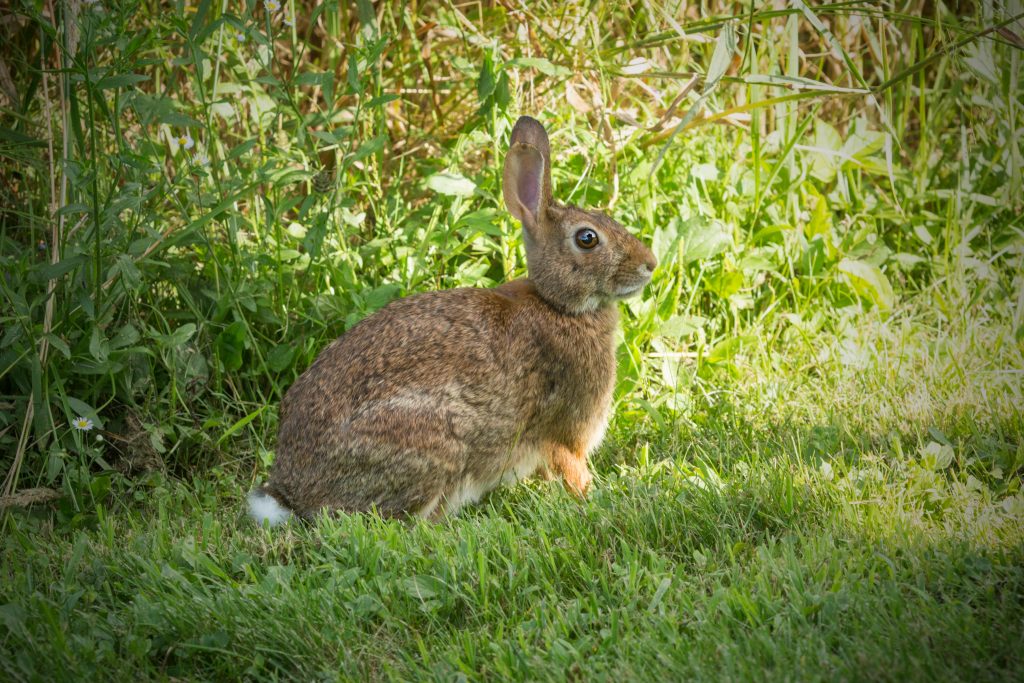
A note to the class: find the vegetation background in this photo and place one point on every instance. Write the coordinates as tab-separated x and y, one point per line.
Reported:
815	466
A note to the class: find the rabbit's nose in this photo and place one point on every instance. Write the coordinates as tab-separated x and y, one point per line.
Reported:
649	264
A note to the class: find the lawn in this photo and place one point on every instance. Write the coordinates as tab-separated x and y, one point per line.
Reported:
814	467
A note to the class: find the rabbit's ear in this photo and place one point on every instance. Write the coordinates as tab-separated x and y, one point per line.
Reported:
526	178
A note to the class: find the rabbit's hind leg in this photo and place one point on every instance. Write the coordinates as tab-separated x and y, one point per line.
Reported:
434	510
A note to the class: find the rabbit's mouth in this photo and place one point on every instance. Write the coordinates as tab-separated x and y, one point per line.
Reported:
632	282
630	290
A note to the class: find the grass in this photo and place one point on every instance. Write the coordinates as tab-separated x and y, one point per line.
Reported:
735	556
831	544
814	470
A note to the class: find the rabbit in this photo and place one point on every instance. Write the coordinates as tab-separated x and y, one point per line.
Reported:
438	398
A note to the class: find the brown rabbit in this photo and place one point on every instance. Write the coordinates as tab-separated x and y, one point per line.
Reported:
438	398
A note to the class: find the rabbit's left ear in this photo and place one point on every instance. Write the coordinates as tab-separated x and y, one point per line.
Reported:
526	177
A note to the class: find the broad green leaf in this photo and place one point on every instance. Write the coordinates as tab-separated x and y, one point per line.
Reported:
820	223
380	296
728	348
367	14
241	148
51	271
451	184
312	77
826	137
721	58
58	343
705	172
179	120
12	616
369	147
175	338
82	409
99	348
679	326
193	365
868	281
922	233
980	58
907	261
502	92
281	357
355	84
862	142
725	283
54	464
424	586
485	81
663	243
382	100
230	345
704	239
125	336
19	138
483	221
128	270
120	81
757	260
937	456
540	64
824	153
198	18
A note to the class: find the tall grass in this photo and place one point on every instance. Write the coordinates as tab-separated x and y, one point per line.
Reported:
198	197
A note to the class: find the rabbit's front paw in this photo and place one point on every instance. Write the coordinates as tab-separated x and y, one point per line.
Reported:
579	483
573	468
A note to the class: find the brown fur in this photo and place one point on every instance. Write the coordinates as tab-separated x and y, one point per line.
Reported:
440	396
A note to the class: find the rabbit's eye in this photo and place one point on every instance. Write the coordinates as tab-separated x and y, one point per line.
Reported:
586	238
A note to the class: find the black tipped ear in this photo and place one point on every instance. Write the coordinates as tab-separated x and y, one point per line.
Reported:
526	178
